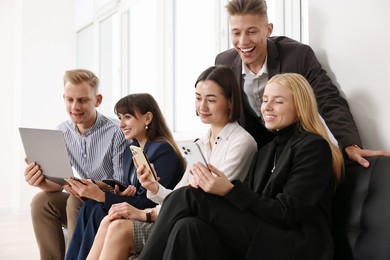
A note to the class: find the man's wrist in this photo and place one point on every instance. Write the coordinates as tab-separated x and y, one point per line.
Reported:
352	146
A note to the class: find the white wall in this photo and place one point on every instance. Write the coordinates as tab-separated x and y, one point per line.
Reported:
37	45
352	42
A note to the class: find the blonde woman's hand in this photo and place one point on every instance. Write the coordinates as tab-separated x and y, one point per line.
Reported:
210	179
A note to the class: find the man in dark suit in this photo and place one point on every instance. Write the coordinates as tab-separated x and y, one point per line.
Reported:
256	57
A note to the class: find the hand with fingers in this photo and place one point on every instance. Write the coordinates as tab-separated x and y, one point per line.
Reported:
130	191
210	179
124	210
85	188
356	154
143	177
34	176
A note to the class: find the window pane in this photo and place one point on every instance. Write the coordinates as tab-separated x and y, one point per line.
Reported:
106	65
146	49
85	48
196	45
109	69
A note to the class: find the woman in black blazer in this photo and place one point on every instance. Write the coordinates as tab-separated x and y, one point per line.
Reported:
282	211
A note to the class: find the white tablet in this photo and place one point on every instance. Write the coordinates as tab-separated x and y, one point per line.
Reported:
47	148
192	154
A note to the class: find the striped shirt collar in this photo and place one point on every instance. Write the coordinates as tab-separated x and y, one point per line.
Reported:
98	123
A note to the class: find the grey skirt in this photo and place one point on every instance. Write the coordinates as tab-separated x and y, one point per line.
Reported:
142	231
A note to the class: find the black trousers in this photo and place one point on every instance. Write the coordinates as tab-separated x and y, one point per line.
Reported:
195	225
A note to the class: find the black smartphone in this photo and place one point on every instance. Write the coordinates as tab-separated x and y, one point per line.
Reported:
77	179
112	183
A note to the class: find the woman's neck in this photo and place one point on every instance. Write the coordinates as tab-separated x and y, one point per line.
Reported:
214	132
142	142
282	137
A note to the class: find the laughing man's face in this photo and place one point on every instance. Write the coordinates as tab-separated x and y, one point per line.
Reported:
249	35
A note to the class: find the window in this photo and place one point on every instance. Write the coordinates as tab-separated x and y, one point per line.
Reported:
161	47
145	44
84	51
196	41
109	62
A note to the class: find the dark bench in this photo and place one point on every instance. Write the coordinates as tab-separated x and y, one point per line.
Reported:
361	215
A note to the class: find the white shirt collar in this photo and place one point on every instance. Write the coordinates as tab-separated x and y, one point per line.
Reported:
263	69
223	135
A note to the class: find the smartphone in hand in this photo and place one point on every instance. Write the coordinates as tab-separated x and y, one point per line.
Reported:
77	179
112	183
140	158
193	154
81	181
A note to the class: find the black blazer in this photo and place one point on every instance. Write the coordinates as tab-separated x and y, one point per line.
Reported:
287	55
167	165
293	204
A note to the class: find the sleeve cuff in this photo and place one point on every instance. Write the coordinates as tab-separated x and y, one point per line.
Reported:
240	196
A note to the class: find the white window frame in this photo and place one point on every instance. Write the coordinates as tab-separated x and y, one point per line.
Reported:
289	13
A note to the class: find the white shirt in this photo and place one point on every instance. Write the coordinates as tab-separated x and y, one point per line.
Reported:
232	154
254	86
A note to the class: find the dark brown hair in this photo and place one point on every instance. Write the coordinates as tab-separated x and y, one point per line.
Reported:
157	129
224	77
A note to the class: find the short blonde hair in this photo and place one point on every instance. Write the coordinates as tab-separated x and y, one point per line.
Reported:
78	76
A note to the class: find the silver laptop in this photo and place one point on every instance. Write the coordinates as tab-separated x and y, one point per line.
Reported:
47	148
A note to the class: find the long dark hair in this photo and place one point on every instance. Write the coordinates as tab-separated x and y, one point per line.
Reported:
157	129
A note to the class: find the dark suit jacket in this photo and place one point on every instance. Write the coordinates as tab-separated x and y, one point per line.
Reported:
167	165
293	204
287	55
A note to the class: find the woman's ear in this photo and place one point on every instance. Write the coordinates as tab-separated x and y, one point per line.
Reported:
148	117
230	103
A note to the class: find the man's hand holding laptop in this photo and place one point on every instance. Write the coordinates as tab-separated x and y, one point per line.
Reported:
34	177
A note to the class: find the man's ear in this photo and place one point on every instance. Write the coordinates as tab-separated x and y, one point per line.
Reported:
270	28
99	99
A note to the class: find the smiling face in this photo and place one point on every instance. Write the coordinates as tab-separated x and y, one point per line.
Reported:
278	107
133	127
249	35
211	105
81	101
